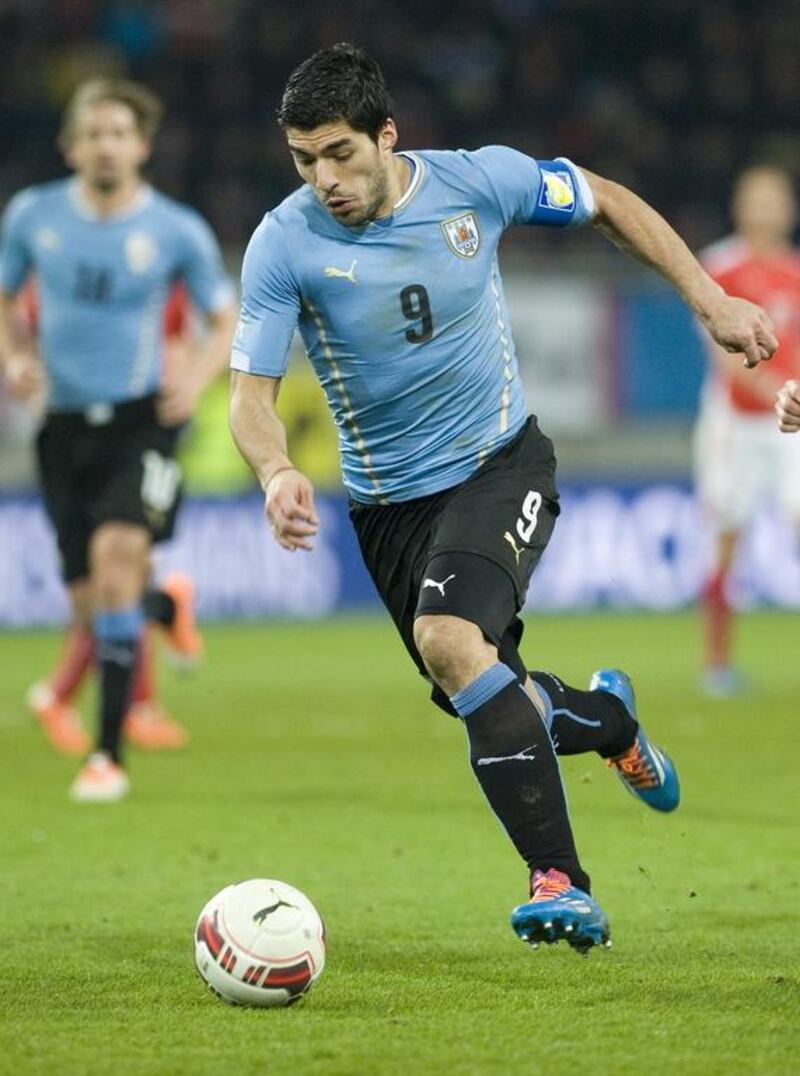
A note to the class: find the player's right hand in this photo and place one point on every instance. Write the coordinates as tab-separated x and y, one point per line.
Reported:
24	376
788	407
740	326
290	509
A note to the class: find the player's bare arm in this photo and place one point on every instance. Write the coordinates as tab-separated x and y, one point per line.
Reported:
185	383
261	438
737	325
20	365
788	407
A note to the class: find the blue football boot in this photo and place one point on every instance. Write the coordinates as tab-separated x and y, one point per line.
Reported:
558	911
644	769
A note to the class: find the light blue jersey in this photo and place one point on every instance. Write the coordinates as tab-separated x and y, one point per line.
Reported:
404	319
102	284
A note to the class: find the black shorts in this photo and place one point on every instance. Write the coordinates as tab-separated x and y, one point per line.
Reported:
468	551
107	464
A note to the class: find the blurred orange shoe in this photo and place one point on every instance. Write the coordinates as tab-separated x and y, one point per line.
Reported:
100	781
149	728
182	636
59	721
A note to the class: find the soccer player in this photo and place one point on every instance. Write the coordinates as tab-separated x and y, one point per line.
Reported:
146	724
105	248
387	261
788	407
740	457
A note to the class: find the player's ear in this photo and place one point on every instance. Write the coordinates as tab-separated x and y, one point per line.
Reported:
67	147
387	136
145	149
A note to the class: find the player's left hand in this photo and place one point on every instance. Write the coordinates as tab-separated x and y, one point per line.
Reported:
788	407
177	400
742	327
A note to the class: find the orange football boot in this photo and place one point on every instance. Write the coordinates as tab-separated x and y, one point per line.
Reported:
149	728
59	721
182	636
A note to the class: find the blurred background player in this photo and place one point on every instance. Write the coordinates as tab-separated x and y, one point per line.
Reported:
740	458
105	248
52	700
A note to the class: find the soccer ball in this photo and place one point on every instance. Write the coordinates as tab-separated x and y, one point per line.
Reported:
259	943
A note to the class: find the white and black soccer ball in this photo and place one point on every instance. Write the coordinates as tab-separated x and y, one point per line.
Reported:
259	943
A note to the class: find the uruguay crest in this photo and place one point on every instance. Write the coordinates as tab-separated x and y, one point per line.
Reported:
47	239
462	234
141	251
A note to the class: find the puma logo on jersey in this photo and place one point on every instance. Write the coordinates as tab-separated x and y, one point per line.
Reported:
439	586
345	274
509	537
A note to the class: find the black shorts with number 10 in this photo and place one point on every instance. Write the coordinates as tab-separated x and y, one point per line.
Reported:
107	465
468	551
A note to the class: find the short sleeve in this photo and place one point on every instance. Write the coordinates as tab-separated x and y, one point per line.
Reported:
270	305
202	268
553	193
15	255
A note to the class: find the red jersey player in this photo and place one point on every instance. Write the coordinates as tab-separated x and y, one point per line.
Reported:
51	700
741	459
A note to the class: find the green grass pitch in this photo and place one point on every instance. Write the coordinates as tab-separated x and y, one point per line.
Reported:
317	759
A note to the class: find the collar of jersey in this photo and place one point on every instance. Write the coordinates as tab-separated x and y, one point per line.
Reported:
143	198
417	166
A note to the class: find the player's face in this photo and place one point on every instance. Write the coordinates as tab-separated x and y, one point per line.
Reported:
347	170
764	206
107	149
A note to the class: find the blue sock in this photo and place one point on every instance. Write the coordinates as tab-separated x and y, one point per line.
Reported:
474	695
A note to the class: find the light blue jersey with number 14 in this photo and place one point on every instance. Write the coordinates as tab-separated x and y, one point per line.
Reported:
103	283
404	319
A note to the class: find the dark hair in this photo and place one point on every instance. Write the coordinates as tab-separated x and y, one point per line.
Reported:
340	82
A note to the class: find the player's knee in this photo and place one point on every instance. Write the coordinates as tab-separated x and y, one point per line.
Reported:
118	558
452	649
